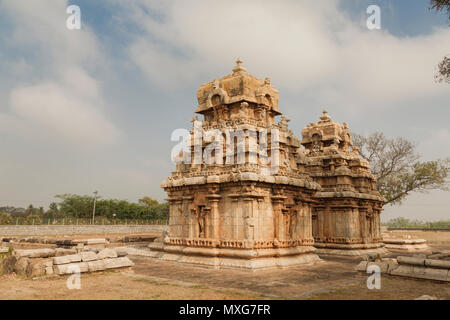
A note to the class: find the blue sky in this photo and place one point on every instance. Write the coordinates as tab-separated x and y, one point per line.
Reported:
94	108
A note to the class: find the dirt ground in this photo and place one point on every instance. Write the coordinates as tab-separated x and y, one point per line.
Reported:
119	285
332	278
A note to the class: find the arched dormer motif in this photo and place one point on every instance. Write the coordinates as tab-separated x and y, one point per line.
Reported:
216	94
266	96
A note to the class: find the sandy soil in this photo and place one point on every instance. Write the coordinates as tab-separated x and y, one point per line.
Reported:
113	285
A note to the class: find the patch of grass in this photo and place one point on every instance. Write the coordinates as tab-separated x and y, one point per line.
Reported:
154	282
199	286
110	271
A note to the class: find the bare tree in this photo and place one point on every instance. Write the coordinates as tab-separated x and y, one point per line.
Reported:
395	163
443	74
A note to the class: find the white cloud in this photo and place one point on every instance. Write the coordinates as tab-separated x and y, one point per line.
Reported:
57	99
309	48
63	114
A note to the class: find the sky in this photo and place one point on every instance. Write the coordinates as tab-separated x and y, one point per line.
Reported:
93	109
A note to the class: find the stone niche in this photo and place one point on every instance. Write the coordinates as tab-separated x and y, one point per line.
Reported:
247	214
346	213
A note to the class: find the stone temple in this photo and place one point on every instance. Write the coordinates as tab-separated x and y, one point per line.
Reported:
346	214
247	194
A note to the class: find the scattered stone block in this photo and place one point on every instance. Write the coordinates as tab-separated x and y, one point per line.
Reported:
49	271
95	248
36	269
4	249
71	268
96	241
411	260
21	266
63	252
392	267
8	264
35	253
88	256
67	259
403	270
362	266
98	265
442	264
107	253
121	251
122	262
382	265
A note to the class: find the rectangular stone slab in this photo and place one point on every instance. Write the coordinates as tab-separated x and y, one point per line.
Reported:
442	264
35	253
71	268
67	259
97	265
107	253
121	262
411	261
88	256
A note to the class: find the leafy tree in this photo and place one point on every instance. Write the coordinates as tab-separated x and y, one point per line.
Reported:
396	165
148	202
5	218
33	210
33	219
75	205
443	74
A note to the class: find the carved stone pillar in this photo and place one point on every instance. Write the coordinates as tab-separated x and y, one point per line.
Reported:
249	227
277	204
214	221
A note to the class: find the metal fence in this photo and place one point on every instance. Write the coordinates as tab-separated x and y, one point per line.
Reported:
84	221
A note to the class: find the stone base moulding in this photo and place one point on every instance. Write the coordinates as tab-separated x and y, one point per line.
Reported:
352	252
350	249
253	259
406	244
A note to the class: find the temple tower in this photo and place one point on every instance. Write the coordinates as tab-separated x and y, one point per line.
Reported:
346	216
240	196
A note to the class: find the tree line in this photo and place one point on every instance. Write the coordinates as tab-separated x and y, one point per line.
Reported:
407	223
73	206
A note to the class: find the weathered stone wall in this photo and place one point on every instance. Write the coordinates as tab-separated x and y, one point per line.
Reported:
78	229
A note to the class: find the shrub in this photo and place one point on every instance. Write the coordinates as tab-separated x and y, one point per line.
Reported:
33	219
5	218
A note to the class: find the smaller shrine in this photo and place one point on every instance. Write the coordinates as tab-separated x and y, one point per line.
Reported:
346	216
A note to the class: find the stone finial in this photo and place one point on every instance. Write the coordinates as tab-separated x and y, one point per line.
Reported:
239	67
267	81
325	116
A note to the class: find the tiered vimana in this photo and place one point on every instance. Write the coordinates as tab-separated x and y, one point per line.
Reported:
346	217
240	196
